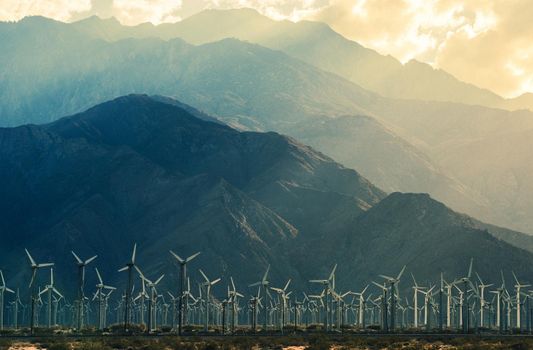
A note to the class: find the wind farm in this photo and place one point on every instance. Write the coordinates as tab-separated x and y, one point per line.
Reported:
461	305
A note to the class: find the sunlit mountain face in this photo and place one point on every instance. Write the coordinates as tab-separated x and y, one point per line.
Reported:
286	136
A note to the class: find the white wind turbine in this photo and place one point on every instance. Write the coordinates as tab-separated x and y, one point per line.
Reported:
183	278
100	286
427	297
329	285
264	284
393	282
81	283
416	289
208	284
282	294
482	302
151	300
518	286
50	289
34	268
361	316
499	298
3	289
129	268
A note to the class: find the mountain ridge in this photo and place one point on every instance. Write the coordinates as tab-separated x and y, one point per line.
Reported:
101	192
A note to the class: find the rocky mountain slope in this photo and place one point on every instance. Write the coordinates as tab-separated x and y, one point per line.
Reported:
137	169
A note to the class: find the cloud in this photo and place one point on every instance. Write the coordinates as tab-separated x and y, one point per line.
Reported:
132	12
484	42
63	10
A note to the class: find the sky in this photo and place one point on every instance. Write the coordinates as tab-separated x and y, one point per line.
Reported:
488	43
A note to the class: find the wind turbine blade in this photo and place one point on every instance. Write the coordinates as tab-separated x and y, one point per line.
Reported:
51	277
287	285
34	272
90	259
470	268
9	290
123	269
140	272
159	279
386	277
57	292
180	260
32	262
414	280
134	253
377	284
479	278
98	275
332	274
401	273
192	257
3	280
264	279
232	283
45	265
215	281
204	276
255	284
364	290
515	278
76	257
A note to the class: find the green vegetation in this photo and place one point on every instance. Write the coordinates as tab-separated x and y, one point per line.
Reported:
315	342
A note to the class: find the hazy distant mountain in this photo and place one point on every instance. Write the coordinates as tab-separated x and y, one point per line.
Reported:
317	44
501	168
381	155
139	170
254	88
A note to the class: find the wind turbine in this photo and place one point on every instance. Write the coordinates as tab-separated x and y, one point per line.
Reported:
482	301
416	289
393	289
183	278
282	294
100	286
518	286
34	268
466	281
129	267
329	284
264	284
50	289
151	300
208	284
427	299
361	318
81	283
233	295
3	289
384	306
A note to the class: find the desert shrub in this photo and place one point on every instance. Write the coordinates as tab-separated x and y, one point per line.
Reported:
59	345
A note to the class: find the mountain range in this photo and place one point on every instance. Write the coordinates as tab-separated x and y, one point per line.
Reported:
319	45
44	79
157	172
